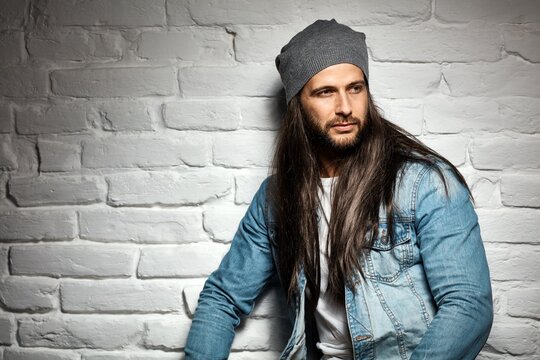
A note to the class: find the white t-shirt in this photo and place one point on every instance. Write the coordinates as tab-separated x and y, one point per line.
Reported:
330	315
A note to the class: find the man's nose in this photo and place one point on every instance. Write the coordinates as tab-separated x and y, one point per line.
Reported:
343	105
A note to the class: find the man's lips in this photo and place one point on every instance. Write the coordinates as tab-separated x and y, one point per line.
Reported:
344	126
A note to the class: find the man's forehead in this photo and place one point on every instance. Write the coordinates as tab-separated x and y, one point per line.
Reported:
338	74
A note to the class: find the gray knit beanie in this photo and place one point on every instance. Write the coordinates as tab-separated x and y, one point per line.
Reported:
320	45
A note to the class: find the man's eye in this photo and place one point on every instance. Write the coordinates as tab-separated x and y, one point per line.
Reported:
356	89
324	92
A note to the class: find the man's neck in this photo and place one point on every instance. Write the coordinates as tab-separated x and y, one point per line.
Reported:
329	165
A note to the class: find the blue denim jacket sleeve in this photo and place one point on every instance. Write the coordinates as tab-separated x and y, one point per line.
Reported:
232	289
456	268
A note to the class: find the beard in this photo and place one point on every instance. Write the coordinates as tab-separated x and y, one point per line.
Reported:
320	138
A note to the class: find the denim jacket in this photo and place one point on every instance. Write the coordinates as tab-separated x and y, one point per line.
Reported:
425	293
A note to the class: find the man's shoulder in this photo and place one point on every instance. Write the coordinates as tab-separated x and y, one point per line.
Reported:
416	171
419	179
412	172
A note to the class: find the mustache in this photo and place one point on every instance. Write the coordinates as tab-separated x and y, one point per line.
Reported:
340	120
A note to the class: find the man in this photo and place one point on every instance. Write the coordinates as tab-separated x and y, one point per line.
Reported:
372	234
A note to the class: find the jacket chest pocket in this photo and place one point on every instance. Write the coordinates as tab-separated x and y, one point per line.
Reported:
390	256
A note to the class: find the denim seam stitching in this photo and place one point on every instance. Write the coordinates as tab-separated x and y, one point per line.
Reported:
393	319
422	303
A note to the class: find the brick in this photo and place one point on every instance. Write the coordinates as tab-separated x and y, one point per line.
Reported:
451	147
510	76
520	190
168	188
73	260
28	294
402	80
368	12
191	297
270	303
261	113
446	114
59	156
168	334
143	225
521	112
125	355
518	40
178	13
190	260
493	11
75	332
206	115
51	118
485	191
513	337
405	113
4	263
114	82
139	151
243	148
241	80
147	355
37	225
499	298
513	262
262	43
484	355
247	183
74	45
13	14
27	159
4	178
126	296
56	190
502	152
11	48
453	44
6	118
253	334
8	156
509	225
123	115
23	81
219	12
103	12
40	354
7	327
524	302
201	45
221	221
260	355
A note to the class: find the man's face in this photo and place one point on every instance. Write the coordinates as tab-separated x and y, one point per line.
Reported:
335	101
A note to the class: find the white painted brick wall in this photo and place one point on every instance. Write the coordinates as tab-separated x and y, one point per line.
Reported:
133	134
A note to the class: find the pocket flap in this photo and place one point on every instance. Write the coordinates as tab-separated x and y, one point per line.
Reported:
402	234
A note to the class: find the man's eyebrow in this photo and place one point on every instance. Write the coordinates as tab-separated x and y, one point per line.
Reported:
324	87
358	82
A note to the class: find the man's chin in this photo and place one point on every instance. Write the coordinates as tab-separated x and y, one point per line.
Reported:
344	143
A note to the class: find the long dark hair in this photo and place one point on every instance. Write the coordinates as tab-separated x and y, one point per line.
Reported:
367	178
